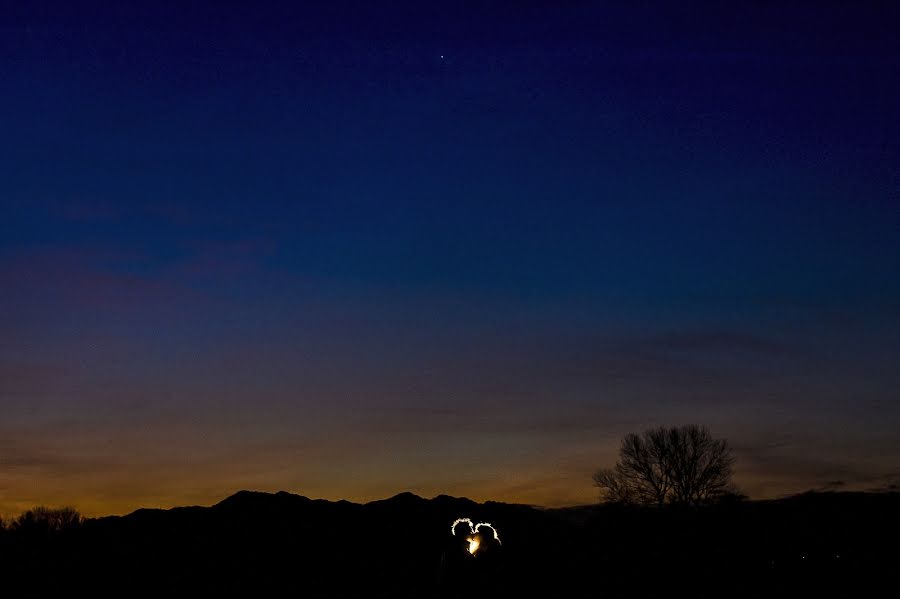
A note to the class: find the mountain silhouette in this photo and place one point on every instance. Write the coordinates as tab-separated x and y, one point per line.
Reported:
256	543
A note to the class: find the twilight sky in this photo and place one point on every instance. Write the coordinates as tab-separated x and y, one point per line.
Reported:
442	247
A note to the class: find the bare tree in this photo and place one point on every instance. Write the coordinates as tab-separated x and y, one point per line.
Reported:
612	486
668	465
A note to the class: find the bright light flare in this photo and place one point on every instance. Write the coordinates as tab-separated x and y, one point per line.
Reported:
473	544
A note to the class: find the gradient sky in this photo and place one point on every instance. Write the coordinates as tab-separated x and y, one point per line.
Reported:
457	248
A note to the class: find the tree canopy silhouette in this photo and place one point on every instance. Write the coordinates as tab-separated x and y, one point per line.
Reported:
681	465
44	520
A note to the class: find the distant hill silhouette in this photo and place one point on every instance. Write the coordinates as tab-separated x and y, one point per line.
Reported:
263	544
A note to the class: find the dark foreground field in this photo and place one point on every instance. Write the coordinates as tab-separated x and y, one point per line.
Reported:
274	545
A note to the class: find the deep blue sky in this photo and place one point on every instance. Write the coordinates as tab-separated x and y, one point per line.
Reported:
353	250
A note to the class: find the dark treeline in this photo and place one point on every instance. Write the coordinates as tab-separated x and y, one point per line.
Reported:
816	544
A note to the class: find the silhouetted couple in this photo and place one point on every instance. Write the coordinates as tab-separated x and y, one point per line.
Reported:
469	563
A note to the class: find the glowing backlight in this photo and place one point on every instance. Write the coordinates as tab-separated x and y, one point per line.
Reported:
474	536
